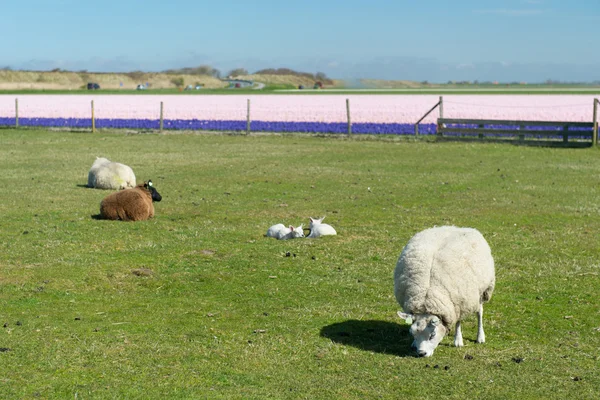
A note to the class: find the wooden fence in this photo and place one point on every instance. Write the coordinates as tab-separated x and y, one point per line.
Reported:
566	133
558	133
472	128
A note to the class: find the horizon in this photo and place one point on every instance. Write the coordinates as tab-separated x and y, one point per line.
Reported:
532	41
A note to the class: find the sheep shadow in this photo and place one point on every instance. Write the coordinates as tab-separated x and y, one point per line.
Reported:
375	336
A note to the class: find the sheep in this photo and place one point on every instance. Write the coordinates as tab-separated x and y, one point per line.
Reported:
105	174
443	275
318	229
280	232
130	205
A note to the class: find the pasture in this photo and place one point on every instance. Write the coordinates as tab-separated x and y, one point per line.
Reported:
196	303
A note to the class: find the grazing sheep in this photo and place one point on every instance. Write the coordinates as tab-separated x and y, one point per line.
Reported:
280	232
130	205
443	275
106	174
318	229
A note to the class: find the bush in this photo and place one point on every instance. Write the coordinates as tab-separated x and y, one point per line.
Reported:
238	72
178	81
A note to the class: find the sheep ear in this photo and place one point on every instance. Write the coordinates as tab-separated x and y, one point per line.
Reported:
408	318
291	227
311	219
322	218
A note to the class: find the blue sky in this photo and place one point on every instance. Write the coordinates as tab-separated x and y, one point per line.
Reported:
435	40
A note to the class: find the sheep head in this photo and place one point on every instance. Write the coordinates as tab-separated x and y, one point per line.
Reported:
297	232
427	331
315	221
153	192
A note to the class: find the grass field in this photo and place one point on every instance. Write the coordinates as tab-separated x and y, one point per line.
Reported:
196	303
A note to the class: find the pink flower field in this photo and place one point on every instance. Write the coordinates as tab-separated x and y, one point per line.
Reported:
302	108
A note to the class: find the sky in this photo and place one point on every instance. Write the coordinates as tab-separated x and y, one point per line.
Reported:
434	40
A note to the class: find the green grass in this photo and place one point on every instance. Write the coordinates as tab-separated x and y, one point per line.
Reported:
196	303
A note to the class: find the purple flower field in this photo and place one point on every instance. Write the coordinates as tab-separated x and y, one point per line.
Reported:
376	114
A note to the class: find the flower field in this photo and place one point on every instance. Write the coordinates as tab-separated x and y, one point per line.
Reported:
378	114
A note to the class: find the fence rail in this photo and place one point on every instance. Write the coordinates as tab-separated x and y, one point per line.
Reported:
539	131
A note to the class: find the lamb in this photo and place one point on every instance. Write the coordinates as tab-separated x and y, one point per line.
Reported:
130	205
105	174
443	275
318	228
280	232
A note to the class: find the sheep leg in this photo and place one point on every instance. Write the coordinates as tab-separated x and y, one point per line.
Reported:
480	332
458	338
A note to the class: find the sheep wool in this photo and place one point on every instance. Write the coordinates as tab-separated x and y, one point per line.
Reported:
445	271
281	232
105	174
318	228
443	275
131	205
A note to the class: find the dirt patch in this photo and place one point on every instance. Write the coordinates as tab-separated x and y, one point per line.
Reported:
142	272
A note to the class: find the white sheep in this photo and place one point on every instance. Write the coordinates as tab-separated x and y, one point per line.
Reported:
443	275
318	228
105	174
281	232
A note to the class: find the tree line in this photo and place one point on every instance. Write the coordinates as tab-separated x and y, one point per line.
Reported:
210	71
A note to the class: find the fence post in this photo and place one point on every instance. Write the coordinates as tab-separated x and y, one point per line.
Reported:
161	116
348	114
16	113
248	119
521	135
426	114
595	128
442	113
93	118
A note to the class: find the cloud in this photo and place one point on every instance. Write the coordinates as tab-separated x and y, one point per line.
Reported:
94	64
433	70
511	12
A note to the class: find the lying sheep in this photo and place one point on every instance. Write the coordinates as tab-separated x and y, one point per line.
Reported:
443	275
280	232
105	174
318	228
130	205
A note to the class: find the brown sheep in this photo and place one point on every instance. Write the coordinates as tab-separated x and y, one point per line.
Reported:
130	204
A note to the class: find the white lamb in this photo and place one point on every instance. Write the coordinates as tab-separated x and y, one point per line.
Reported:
443	275
318	228
280	232
106	174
